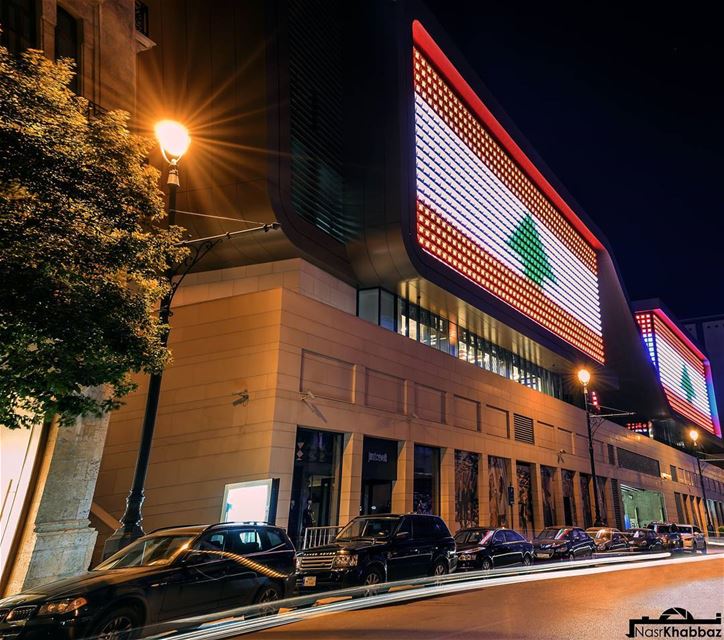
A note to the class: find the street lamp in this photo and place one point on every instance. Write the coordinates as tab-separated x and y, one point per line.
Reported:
584	377
174	141
694	436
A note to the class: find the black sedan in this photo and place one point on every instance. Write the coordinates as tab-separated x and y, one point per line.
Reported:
644	540
169	574
563	542
485	548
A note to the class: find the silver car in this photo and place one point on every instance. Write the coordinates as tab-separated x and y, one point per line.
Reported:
692	538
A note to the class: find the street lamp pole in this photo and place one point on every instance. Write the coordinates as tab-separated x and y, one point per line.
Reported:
694	435
174	140
584	378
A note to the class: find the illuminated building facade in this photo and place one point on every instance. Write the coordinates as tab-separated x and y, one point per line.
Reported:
409	339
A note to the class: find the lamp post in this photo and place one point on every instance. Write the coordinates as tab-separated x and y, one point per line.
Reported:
174	141
694	436
584	377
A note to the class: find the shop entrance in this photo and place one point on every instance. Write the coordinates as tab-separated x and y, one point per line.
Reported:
379	473
641	506
315	484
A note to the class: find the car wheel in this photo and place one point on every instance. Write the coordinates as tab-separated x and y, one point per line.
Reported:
704	550
269	593
439	568
372	577
486	564
571	555
119	624
527	561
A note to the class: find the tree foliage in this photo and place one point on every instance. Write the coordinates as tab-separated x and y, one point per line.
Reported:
82	263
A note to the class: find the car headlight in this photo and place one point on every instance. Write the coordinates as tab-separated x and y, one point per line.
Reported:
467	556
346	560
299	563
62	606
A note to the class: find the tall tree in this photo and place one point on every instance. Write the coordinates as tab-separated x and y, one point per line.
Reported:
82	260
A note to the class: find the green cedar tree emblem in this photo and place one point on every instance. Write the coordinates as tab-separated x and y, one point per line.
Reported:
526	242
687	385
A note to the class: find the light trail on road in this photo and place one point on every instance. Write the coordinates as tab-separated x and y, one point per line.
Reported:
451	585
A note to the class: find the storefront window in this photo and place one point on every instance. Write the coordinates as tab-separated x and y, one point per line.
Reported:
498	482
585	481
547	476
426	485
379	473
466	489
316	481
569	501
525	498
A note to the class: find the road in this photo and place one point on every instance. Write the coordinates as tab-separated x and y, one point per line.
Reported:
597	604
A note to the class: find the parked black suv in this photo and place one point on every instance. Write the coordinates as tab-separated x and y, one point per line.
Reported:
563	542
485	548
373	549
168	574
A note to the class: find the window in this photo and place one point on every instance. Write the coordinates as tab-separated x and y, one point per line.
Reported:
18	20
246	541
66	43
512	536
425	528
417	323
273	539
499	537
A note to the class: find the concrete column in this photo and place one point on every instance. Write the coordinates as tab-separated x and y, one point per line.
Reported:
350	497
447	486
402	491
57	541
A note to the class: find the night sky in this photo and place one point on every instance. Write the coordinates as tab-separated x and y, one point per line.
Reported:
626	107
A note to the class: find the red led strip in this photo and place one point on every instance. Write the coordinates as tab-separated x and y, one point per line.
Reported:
448	244
435	91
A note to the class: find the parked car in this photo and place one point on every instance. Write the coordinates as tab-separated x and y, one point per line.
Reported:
374	549
644	540
668	533
692	539
168	574
608	539
563	542
485	548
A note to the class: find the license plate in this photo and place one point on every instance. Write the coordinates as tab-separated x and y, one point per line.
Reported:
310	581
543	554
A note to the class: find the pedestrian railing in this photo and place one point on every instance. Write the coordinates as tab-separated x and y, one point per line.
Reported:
318	536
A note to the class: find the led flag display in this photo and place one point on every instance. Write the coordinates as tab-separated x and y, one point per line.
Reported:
683	370
480	214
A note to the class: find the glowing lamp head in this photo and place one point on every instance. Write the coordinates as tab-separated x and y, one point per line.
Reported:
173	138
584	377
694	435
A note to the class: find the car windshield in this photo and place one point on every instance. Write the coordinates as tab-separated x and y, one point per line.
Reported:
477	536
601	534
553	533
638	533
146	552
368	528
